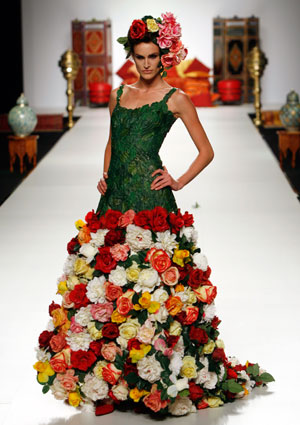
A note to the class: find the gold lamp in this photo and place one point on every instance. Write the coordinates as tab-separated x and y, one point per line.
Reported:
69	64
256	63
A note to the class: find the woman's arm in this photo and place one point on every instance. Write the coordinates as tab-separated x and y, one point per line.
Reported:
102	186
182	107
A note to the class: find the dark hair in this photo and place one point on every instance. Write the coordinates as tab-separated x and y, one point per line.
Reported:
133	42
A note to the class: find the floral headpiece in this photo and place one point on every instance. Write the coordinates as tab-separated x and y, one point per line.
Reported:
165	32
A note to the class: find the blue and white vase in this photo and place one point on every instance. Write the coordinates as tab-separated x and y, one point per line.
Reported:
290	112
22	118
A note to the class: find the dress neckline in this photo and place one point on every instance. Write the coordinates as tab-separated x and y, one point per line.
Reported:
164	99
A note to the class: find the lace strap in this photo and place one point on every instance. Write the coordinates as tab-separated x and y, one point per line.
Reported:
119	93
173	90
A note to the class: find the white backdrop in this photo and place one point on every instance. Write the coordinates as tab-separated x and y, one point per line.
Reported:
46	27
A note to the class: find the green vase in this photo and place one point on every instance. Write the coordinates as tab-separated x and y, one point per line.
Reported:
290	112
22	118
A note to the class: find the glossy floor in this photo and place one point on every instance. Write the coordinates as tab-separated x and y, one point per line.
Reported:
248	226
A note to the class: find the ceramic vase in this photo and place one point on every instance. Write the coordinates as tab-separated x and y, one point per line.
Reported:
22	118
290	112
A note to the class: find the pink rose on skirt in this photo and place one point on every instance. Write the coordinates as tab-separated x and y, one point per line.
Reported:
102	312
110	350
75	327
58	342
126	218
68	380
119	252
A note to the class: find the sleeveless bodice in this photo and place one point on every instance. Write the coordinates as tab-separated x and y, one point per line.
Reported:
136	137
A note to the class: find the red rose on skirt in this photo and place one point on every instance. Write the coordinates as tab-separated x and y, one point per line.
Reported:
138	29
133	343
176	221
130	367
44	338
195	278
110	330
104	260
198	335
124	305
113	237
96	346
82	360
53	307
78	296
196	391
142	219
188	219
231	374
158	219
172	340
92	221
112	218
219	354
71	245
215	322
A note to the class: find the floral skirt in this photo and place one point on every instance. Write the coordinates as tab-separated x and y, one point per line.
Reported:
137	327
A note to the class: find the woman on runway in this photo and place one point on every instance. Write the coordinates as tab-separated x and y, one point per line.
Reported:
137	327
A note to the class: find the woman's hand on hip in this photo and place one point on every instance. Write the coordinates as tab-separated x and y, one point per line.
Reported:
102	186
164	179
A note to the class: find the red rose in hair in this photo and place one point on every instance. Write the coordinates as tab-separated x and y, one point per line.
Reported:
188	219
195	278
219	355
239	367
158	219
198	335
110	330
78	296
142	219
113	237
196	391
215	322
104	260
176	221
82	360
92	221
96	346
112	218
44	338
52	307
138	29
71	245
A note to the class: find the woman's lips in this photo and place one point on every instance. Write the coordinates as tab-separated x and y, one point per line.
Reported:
147	72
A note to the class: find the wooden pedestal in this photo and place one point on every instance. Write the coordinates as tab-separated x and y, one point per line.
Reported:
288	140
20	146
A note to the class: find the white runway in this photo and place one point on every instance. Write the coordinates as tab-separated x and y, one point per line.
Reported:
248	223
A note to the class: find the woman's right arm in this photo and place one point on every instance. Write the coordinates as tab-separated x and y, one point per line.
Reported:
102	186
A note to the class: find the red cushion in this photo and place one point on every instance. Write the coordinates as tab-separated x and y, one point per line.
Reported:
123	71
196	65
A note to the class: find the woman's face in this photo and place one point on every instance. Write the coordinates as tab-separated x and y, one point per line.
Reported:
146	57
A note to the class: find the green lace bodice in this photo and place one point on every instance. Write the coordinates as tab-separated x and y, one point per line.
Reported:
136	137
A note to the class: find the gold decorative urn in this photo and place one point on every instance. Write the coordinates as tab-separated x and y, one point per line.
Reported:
69	64
256	63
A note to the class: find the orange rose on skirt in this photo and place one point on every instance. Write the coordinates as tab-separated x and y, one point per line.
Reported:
159	259
174	305
206	293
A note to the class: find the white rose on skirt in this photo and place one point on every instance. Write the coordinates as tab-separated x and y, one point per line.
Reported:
201	261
